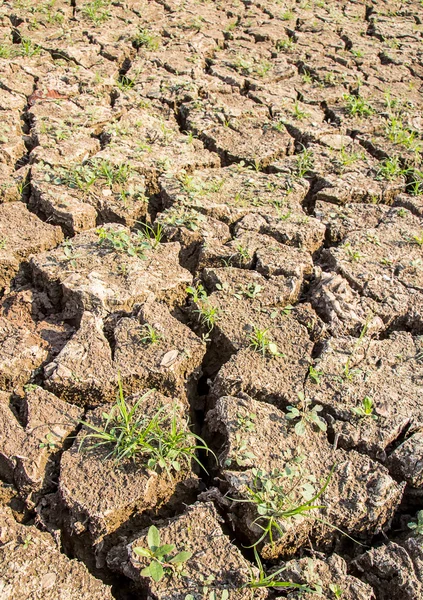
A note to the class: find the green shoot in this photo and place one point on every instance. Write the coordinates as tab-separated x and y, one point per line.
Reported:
306	415
149	335
390	169
279	496
208	315
163	561
314	374
305	162
261	342
355	105
120	241
144	39
96	11
365	409
336	590
198	292
271	580
417	526
151	235
158	442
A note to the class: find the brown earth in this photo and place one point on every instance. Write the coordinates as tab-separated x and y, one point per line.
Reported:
220	206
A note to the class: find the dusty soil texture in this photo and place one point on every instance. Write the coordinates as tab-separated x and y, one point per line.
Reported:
211	257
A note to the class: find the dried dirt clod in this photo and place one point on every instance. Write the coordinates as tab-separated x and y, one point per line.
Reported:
241	132
192	230
360	497
249	250
156	350
31	446
109	269
215	565
62	207
329	576
275	378
22	234
103	498
297	229
383	375
99	190
231	193
341	306
383	263
341	220
31	565
83	371
244	304
393	570
406	460
21	353
152	143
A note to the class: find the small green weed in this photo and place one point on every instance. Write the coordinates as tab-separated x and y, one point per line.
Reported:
314	374
69	252
96	11
305	162
120	241
298	112
390	168
253	290
246	421
281	495
285	45
398	133
28	48
336	590
198	292
306	414
50	442
208	315
346	158
243	252
272	580
179	216
125	83
149	335
145	39
415	186
417	525
366	409
151	235
261	342
163	560
357	106
158	442
5	51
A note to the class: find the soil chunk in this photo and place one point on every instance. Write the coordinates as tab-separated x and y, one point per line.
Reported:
21	353
329	575
32	443
107	270
393	570
360	496
83	371
156	350
216	564
22	234
383	375
31	564
118	492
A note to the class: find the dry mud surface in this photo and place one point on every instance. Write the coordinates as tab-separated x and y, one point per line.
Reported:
216	207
